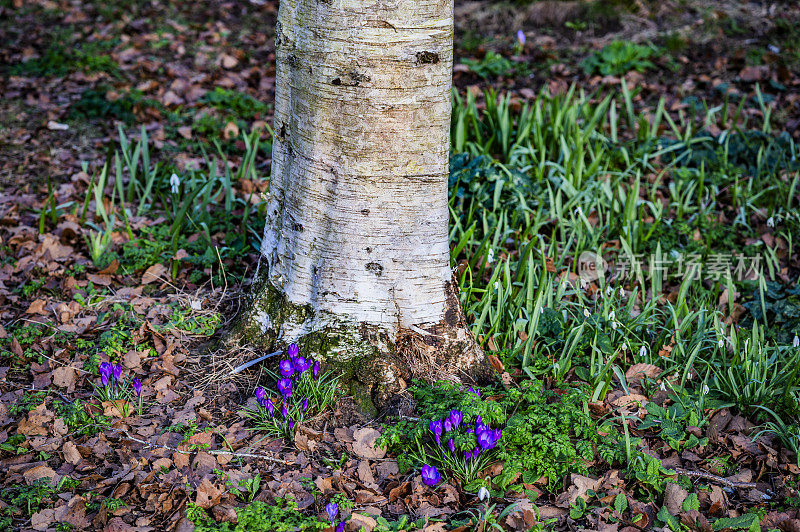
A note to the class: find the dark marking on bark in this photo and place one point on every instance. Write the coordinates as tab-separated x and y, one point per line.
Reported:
365	212
375	268
297	227
282	132
336	81
369	250
358	77
427	58
292	61
451	317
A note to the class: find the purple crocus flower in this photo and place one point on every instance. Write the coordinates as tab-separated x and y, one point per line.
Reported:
331	509
284	411
455	418
260	394
436	428
137	386
521	37
301	364
340	527
315	370
270	407
305	405
452	445
105	369
117	371
287	367
290	424
447	425
475	391
486	440
104	379
285	387
430	475
293	350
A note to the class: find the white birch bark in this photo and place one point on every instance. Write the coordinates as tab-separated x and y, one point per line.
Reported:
357	217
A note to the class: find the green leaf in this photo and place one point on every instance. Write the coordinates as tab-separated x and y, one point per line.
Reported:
621	503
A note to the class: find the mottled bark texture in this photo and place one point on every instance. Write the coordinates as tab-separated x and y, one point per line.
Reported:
355	255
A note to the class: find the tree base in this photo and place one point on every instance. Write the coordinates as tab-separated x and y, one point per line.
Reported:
375	364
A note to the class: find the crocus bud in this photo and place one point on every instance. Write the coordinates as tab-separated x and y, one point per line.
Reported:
301	364
455	418
104	379
117	370
285	387
331	509
290	424
340	527
270	406
305	405
430	475
447	425
284	411
315	371
260	394
105	369
452	445
293	350
137	386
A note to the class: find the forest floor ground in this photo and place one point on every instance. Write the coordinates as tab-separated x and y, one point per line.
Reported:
657	137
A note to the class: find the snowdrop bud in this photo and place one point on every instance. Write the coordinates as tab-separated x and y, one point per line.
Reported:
705	390
584	284
578	211
624	346
796	341
721	343
490	256
174	183
689	376
614	325
621	292
586	312
609	291
496	285
642	351
663	387
771	221
483	493
612	315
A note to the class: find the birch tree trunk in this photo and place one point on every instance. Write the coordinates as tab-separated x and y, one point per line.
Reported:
355	259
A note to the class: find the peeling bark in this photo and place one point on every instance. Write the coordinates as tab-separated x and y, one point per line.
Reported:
355	254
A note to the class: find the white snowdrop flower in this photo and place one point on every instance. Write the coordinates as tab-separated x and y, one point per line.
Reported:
621	292
196	304
771	221
624	346
609	291
496	285
586	312
704	390
556	366
774	49
174	182
721	343
490	256
663	387
483	493
614	325
584	284
578	211
689	376
796	341
642	351
612	315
